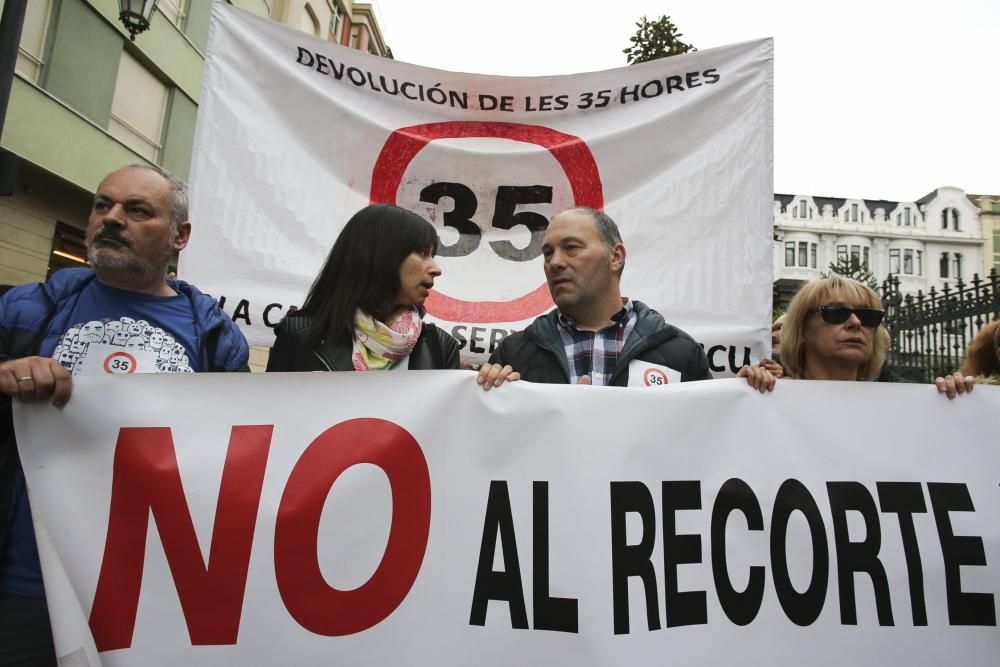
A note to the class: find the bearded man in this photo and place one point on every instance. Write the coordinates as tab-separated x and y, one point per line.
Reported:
123	315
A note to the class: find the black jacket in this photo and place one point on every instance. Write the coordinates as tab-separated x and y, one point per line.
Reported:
537	352
434	349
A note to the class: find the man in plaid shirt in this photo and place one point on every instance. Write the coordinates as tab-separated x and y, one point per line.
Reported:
595	334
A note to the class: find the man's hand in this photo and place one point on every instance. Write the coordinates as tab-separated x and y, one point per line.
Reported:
494	375
955	384
758	378
36	379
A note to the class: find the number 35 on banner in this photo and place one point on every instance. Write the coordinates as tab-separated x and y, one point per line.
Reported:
529	166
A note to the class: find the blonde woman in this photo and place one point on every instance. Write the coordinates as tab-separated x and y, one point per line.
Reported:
833	331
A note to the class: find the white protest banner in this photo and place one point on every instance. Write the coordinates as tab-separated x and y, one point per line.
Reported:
296	134
410	518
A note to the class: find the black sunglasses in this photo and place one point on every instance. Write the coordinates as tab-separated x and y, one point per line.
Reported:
869	317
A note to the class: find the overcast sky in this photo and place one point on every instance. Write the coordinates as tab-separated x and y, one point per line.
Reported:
882	99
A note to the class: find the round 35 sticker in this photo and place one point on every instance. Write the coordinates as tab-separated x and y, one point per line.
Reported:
120	363
654	377
453	173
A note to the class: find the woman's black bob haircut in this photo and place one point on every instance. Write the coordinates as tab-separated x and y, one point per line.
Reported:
362	269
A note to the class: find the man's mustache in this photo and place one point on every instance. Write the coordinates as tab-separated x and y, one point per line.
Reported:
107	233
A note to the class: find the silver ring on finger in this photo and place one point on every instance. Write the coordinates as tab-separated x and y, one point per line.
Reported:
25	378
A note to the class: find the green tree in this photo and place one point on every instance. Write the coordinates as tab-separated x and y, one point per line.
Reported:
655	39
851	267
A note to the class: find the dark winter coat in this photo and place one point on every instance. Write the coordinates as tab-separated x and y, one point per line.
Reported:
434	349
537	352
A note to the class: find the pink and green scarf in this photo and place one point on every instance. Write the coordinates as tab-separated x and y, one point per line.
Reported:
378	345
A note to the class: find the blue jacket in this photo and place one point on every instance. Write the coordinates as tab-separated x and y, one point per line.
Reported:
31	312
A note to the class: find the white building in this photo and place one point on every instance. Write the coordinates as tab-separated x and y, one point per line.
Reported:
929	242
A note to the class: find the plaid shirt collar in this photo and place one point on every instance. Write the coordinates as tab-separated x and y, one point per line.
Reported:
595	353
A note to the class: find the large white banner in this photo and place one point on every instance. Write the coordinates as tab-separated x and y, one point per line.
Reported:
296	134
410	518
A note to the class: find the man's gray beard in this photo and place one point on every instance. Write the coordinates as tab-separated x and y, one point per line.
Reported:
128	267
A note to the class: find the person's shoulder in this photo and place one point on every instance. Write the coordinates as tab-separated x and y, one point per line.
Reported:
664	343
295	322
206	307
233	351
509	347
649	319
65	282
36	298
27	293
435	335
543	326
432	330
447	345
650	322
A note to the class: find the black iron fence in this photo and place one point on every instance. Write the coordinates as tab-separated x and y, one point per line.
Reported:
929	332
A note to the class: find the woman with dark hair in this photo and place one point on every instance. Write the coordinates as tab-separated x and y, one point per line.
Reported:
364	311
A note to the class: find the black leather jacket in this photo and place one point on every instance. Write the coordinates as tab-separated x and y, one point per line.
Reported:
434	350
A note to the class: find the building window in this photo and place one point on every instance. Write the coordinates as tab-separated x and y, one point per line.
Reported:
906	217
842	253
865	260
949	217
174	10
33	33
812	255
336	23
944	265
68	248
137	108
803	252
957	264
854	212
855	255
899	219
908	262
802	208
789	253
920	262
894	260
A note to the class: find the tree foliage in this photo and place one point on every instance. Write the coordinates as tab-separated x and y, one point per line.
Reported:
851	267
655	39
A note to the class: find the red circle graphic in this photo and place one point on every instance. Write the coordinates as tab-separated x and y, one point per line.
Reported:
570	151
119	355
